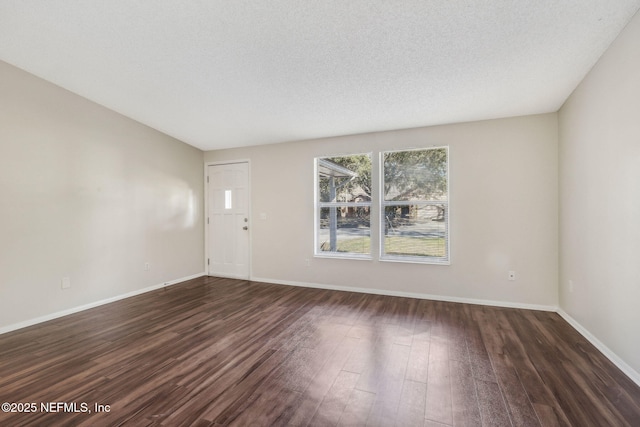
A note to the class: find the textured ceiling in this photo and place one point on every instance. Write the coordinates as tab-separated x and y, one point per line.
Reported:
223	73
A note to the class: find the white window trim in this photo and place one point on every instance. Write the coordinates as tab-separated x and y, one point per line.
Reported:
382	204
318	205
377	200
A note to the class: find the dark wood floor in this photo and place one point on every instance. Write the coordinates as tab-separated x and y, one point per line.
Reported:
226	352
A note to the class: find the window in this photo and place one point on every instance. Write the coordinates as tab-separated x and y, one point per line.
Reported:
415	205
343	206
413	201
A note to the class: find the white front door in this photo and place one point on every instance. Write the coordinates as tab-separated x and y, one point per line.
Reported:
228	220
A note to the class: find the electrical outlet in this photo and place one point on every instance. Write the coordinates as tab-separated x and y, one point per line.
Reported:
147	266
571	286
307	262
512	275
65	283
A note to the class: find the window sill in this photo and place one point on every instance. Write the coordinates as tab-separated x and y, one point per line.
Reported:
345	256
415	260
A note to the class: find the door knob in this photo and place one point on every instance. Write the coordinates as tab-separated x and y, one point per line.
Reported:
245	228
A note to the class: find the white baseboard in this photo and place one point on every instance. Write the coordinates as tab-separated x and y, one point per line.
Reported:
229	276
410	295
41	319
614	358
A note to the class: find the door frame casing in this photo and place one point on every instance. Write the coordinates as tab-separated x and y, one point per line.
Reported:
206	213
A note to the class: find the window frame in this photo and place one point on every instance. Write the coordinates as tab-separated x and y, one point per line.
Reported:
318	205
383	204
377	202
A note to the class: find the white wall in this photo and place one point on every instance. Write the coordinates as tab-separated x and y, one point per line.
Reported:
504	212
600	192
88	194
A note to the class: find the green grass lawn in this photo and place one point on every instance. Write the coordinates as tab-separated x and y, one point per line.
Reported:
397	245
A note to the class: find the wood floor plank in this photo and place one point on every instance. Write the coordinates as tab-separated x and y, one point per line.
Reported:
389	383
267	407
464	398
322	382
438	406
358	408
493	409
335	401
519	407
481	366
216	352
411	409
418	363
